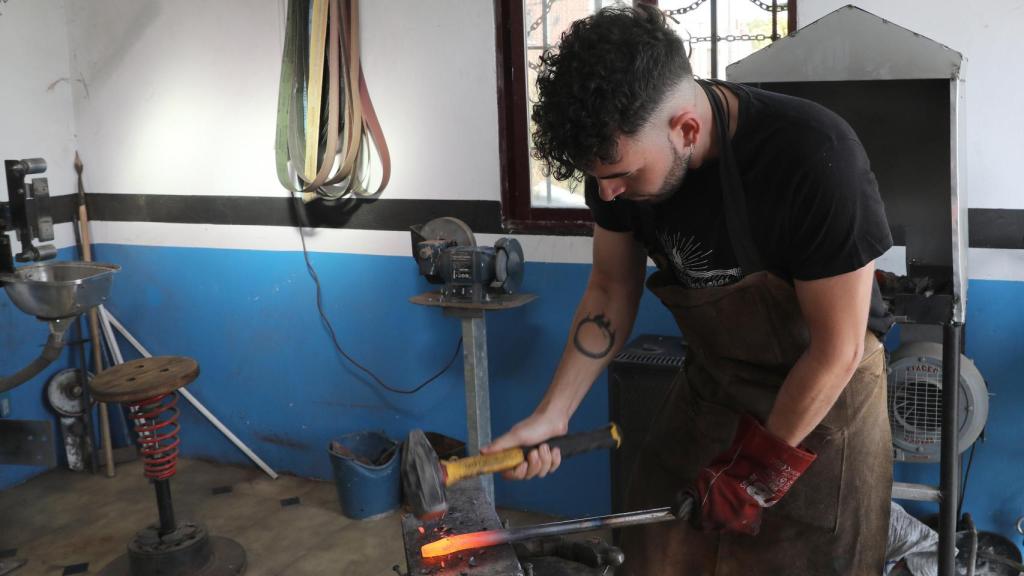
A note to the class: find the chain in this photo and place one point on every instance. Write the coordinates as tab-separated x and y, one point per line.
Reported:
540	19
768	7
733	38
670	13
675	12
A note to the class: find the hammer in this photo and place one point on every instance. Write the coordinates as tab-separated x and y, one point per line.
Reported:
425	477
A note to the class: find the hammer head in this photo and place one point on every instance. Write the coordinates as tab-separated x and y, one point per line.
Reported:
422	478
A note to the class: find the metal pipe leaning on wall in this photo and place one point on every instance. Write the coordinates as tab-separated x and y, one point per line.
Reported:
107	320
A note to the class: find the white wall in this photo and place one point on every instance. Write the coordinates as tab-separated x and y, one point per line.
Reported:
182	95
987	34
36	117
179	97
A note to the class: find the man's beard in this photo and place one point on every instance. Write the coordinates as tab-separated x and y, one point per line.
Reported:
674	178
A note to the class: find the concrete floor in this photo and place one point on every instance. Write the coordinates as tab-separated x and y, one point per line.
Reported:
64	519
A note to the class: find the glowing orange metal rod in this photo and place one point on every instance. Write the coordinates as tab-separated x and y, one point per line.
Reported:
460	542
473	540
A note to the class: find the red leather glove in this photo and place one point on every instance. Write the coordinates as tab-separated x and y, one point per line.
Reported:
754	473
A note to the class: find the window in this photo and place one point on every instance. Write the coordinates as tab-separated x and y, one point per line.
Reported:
718	32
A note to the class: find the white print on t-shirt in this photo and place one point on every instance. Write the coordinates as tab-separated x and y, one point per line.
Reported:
690	262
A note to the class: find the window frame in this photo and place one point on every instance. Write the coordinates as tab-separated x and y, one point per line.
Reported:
517	212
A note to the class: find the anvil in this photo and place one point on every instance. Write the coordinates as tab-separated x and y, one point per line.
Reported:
469	510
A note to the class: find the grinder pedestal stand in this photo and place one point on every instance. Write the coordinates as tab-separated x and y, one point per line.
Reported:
170	548
474	359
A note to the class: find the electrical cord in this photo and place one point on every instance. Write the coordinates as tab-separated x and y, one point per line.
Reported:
963	483
330	328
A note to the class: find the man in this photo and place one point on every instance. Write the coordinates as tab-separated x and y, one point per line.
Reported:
764	219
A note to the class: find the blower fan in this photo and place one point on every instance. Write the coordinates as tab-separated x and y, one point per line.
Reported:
915	402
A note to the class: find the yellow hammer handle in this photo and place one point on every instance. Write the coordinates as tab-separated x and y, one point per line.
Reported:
482	464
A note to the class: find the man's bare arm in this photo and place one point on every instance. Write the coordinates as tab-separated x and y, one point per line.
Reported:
603	321
836	312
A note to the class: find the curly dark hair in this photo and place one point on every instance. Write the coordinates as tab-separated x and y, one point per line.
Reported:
608	75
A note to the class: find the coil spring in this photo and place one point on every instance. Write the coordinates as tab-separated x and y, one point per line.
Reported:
156	423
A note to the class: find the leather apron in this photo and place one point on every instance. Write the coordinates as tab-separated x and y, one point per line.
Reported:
743	339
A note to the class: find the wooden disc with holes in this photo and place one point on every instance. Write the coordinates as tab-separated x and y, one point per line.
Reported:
145	378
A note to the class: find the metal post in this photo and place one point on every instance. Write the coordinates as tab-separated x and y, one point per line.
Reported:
775	20
714	39
949	482
86	396
545	8
478	397
164	506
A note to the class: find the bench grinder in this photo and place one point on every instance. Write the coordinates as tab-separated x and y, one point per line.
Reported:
446	252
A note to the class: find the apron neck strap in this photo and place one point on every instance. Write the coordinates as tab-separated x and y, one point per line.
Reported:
734	202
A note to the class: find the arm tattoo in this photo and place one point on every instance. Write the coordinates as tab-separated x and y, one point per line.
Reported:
605	327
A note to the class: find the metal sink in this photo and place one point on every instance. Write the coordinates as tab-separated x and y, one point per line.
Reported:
54	290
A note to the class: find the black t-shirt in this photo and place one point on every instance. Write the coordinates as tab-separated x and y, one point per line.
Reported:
812	201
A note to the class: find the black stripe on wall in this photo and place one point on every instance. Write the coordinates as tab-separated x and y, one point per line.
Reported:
483	216
989	227
996	228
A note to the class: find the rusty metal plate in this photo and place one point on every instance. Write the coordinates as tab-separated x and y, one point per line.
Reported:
468	511
27	443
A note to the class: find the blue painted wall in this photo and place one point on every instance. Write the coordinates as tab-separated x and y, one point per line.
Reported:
270	373
21	340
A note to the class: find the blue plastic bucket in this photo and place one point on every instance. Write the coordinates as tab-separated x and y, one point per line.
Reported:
367	474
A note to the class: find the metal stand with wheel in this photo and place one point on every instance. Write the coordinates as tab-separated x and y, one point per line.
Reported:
475	279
